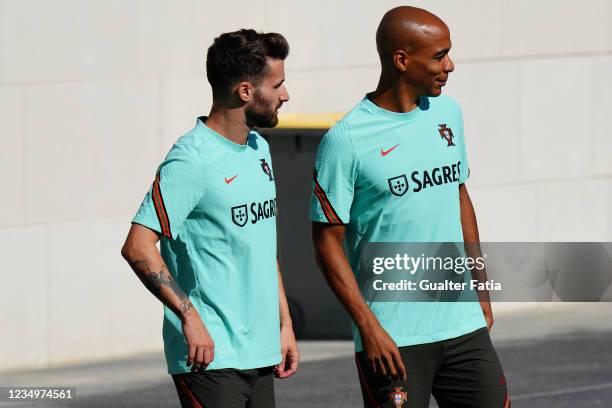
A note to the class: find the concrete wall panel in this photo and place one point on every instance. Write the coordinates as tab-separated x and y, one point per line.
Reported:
574	211
175	36
97	307
506	213
92	148
328	90
12	156
69	39
601	91
489	94
182	101
553	27
24	304
555	124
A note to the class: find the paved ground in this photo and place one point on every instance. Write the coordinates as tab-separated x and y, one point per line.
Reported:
553	357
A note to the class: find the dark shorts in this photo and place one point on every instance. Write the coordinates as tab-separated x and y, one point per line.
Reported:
226	388
460	372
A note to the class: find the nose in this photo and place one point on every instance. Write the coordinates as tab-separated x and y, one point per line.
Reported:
449	65
284	96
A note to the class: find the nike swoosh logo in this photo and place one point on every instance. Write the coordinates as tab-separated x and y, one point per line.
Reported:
383	153
227	181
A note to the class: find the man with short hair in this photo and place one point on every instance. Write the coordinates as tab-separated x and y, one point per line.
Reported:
227	329
394	170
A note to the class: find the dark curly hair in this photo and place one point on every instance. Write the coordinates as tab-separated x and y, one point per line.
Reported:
241	56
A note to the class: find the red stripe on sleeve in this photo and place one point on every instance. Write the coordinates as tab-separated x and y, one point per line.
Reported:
160	208
328	210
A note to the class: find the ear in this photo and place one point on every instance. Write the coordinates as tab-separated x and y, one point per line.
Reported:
401	60
245	90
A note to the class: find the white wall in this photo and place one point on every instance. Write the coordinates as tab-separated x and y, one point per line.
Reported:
92	94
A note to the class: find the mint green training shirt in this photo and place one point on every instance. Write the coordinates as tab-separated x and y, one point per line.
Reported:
394	177
214	202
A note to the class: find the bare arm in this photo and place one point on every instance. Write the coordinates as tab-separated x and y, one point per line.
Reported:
289	350
380	349
285	317
141	252
472	240
330	257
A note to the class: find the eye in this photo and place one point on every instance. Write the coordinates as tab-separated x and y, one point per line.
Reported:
440	57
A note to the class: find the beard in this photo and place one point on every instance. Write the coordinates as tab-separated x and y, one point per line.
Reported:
259	113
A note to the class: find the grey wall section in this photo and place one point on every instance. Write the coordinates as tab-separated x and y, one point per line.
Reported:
93	94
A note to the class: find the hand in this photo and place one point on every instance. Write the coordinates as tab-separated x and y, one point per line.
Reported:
289	354
201	346
382	352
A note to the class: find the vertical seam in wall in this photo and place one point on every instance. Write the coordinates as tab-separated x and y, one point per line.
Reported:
46	359
1	42
519	100
46	228
160	115
24	152
592	162
519	86
500	14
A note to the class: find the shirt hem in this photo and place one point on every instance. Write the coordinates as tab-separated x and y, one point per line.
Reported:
426	339
231	363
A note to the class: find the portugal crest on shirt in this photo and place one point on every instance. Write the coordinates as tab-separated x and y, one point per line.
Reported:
240	215
446	133
398	185
398	397
266	168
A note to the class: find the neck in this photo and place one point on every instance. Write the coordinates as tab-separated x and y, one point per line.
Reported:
229	123
393	95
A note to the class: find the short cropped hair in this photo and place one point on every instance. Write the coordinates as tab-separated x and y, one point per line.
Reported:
241	56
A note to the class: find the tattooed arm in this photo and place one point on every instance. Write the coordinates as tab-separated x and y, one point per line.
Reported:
157	281
141	252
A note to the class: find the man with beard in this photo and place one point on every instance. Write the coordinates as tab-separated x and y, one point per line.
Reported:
227	330
393	170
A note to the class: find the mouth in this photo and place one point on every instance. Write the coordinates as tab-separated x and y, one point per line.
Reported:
440	83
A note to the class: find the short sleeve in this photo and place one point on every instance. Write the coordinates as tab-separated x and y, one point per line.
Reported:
334	177
464	168
178	186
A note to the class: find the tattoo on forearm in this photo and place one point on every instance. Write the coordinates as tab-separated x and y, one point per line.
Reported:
154	281
186	305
